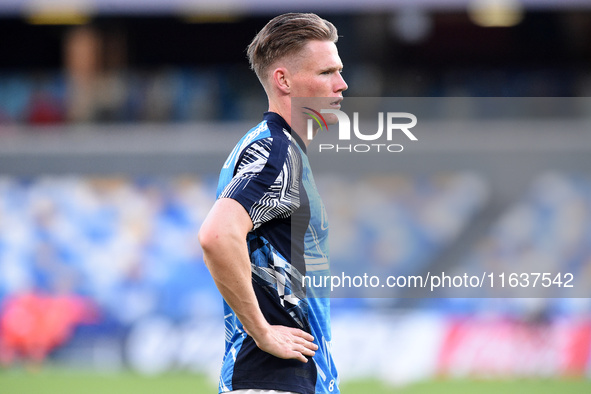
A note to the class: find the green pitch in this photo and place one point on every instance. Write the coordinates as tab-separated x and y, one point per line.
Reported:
57	381
473	386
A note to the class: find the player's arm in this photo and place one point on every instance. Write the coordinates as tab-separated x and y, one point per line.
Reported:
223	240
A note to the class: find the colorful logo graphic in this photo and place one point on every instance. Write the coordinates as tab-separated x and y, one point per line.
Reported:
317	117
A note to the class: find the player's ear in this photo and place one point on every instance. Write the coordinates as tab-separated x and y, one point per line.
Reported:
280	78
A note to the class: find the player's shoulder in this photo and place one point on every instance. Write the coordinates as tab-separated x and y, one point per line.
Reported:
267	129
276	125
272	131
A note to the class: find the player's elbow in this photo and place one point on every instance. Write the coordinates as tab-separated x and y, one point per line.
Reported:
215	239
223	231
208	238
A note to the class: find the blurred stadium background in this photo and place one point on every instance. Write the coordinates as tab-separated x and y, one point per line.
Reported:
115	118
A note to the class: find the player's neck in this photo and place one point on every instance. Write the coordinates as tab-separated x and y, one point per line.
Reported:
284	110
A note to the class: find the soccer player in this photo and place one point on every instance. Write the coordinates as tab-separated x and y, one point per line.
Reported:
268	226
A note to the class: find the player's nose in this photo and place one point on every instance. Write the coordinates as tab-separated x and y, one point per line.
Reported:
341	85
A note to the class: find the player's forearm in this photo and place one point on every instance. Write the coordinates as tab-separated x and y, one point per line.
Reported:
223	240
229	266
228	262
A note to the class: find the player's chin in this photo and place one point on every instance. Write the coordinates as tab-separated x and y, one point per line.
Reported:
330	118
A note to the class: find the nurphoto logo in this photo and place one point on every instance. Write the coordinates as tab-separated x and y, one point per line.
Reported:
379	141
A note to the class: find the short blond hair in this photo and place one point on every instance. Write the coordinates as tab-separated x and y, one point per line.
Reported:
286	34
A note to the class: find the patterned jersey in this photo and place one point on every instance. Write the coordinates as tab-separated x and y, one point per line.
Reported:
268	173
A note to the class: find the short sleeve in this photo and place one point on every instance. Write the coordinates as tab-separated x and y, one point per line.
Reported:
267	180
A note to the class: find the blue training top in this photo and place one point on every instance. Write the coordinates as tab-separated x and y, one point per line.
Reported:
268	173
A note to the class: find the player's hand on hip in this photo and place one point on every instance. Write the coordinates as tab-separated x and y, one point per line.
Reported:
288	343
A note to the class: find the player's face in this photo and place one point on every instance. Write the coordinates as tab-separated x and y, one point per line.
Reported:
318	74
